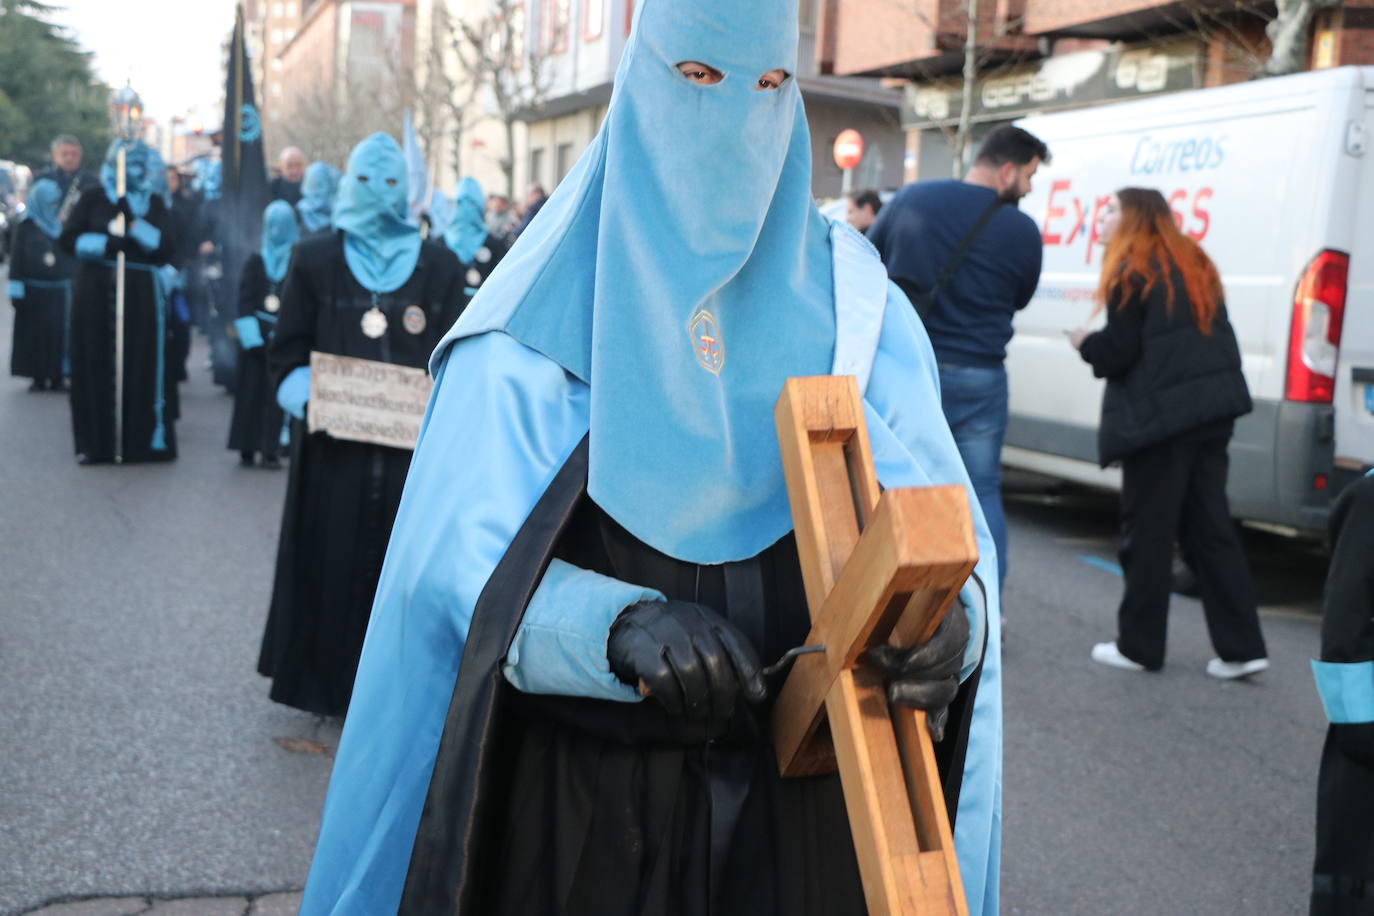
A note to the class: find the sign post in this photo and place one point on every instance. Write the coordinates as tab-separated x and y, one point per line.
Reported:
849	152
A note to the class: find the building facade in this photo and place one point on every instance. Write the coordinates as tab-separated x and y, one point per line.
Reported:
1049	55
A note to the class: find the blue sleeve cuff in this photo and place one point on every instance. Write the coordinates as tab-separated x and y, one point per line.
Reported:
250	333
146	234
1347	691
90	246
294	392
973	602
15	288
560	648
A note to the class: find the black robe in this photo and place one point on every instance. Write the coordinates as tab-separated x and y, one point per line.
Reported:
543	805
1343	874
149	382
42	315
476	271
341	496
257	421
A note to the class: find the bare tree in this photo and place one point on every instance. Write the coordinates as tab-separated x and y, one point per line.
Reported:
495	55
326	119
445	103
1288	34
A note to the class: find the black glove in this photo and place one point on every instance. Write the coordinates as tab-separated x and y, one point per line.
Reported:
691	659
926	676
114	244
124	207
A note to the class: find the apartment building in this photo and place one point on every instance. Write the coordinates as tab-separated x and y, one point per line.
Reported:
1048	55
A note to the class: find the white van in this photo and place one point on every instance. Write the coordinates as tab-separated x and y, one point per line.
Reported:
1275	179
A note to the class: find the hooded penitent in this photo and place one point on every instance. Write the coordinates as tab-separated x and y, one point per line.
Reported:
42	205
318	188
381	245
467	228
661	269
209	179
279	232
143	169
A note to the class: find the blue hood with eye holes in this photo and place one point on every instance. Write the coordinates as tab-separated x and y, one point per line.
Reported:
381	245
683	272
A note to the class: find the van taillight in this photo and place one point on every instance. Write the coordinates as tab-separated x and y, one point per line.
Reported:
1315	337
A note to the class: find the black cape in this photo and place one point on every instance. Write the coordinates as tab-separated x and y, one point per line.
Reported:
1343	873
341	497
41	316
559	805
256	425
149	385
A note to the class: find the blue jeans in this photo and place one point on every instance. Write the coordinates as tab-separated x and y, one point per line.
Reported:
975	404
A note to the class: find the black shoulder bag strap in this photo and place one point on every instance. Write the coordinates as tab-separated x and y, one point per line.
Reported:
924	300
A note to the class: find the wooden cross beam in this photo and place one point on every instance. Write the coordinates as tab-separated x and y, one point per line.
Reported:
878	567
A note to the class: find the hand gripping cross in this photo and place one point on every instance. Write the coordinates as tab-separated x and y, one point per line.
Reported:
877	567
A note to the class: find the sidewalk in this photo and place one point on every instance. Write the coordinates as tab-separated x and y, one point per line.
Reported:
266	905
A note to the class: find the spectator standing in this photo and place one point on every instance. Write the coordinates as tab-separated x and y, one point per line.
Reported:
287	185
502	219
1174	390
66	171
864	207
534	202
40	291
1344	867
970	260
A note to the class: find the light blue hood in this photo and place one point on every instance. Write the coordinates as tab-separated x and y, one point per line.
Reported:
318	188
381	245
683	272
143	169
467	228
280	231
41	207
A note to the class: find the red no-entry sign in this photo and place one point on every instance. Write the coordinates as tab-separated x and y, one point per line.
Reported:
849	149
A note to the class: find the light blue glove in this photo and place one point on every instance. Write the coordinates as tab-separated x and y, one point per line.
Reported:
294	392
249	331
1347	691
15	289
146	234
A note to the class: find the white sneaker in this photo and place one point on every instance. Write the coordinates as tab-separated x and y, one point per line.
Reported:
1229	671
1107	653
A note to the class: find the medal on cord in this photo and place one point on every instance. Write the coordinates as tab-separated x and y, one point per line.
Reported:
374	320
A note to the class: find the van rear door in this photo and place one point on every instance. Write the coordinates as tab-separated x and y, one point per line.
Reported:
1354	391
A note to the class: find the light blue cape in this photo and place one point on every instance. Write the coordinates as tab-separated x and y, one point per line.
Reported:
279	232
143	168
467	228
41	207
687	224
440	211
318	188
381	245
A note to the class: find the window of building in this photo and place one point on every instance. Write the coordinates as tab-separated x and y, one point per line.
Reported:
629	15
290	34
277	65
564	160
593	19
276	36
536	166
277	11
556	16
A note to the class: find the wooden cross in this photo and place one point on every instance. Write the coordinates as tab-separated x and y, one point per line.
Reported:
877	567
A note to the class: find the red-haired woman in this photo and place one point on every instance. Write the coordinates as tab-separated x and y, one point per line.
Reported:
1174	390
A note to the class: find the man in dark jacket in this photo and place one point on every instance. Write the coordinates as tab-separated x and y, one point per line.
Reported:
919	235
287	185
67	172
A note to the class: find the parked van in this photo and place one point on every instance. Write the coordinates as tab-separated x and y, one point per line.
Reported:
1275	179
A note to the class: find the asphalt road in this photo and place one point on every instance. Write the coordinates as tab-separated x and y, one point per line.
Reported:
140	755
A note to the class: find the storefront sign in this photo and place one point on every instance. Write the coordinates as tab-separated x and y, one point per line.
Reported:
1068	81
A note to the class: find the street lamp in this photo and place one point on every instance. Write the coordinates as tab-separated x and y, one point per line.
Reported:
126	113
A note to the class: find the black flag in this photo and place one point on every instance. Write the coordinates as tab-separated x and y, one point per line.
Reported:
245	195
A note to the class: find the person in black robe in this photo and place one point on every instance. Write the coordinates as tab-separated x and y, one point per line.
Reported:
466	234
71	179
287	184
257	424
40	291
150	394
371	290
1343	873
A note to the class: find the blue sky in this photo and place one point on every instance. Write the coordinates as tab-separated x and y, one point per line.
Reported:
169	48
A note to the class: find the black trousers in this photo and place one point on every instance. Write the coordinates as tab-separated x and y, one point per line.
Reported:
1178	489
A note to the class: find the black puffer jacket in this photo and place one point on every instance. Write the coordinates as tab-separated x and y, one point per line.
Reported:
1164	376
